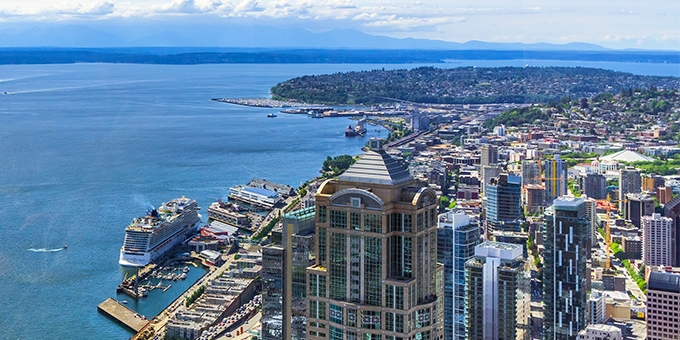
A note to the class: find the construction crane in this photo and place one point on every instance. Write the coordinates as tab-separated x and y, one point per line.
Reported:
607	240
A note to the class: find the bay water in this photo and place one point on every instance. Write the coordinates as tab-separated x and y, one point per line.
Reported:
85	148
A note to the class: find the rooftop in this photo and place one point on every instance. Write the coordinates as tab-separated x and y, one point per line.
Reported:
376	167
668	282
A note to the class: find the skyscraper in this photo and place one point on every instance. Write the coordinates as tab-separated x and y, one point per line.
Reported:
497	292
567	246
629	182
457	237
657	249
637	206
531	172
555	178
663	298
488	154
376	274
284	277
672	211
594	185
504	203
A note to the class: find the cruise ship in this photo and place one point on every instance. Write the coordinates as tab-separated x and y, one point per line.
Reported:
148	237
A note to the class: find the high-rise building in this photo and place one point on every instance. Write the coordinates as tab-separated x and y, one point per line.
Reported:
488	154
591	215
457	236
594	185
376	274
534	198
555	178
597	307
664	194
663	298
497	292
565	274
531	173
656	241
637	206
503	205
284	267
272	293
672	211
629	182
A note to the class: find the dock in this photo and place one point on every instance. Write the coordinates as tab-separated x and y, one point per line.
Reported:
122	314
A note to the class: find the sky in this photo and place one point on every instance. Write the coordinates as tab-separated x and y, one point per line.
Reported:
619	24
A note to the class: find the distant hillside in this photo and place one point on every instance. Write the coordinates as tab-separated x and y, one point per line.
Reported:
214	55
463	85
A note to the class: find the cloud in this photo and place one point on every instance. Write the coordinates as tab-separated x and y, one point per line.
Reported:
248	6
192	6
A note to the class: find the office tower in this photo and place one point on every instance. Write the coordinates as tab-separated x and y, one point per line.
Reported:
594	185
497	292
656	241
637	206
600	332
672	211
284	277
555	178
376	274
488	172
531	173
591	216
488	154
503	205
629	182
457	236
663	298
565	274
272	293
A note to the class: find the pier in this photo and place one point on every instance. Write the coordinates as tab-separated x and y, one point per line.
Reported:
122	314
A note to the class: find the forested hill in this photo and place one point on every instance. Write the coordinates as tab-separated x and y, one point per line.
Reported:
464	85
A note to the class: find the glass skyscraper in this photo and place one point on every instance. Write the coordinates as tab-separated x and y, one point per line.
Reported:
457	236
565	275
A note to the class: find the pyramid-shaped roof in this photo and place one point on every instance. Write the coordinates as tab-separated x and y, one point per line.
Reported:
376	167
626	156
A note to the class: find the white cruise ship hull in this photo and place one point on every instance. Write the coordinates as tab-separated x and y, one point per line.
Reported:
128	259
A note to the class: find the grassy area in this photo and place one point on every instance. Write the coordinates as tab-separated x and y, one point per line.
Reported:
640	281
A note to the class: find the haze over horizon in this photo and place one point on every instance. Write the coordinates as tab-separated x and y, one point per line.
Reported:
628	24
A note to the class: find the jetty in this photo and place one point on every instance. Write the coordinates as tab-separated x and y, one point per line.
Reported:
122	314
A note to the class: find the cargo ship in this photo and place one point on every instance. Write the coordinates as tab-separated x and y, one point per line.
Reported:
149	237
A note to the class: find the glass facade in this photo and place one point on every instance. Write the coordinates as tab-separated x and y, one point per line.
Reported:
456	240
566	250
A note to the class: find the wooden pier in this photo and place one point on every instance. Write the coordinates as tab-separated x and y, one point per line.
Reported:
122	314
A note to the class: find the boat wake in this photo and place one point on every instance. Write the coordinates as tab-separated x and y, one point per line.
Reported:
45	250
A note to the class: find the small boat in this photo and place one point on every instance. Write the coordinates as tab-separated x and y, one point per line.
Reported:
124	302
271	115
186	269
65	247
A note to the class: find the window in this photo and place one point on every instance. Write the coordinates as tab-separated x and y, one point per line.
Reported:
373	223
322	213
338	219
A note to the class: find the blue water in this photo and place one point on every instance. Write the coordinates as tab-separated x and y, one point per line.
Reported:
87	147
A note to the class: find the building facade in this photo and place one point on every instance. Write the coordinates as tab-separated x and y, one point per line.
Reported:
663	298
672	211
555	178
531	172
376	274
488	154
565	274
657	249
629	182
503	205
457	236
594	185
637	206
497	292
284	283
